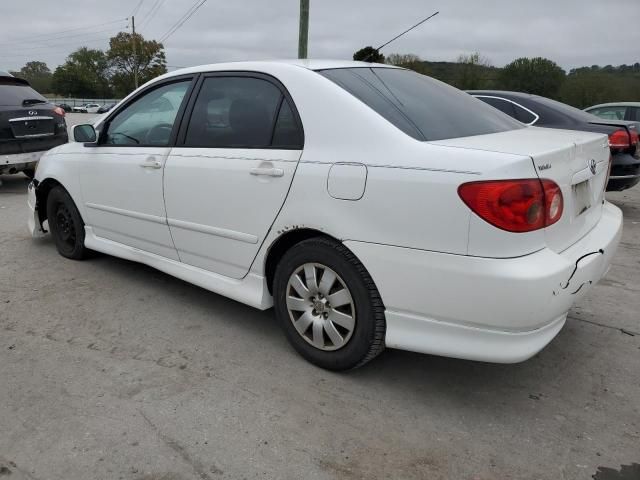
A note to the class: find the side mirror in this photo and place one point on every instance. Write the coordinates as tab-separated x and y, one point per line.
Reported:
84	134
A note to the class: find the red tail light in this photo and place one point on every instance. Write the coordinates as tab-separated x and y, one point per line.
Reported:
620	139
60	111
635	138
515	205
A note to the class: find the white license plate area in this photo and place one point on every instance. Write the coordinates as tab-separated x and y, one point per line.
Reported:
581	197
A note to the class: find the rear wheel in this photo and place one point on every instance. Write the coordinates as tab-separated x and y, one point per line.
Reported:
65	224
328	305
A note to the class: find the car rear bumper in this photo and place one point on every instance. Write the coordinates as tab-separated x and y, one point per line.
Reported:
18	162
625	172
497	310
33	220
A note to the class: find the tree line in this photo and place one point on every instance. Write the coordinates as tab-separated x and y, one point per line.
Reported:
95	73
580	87
105	74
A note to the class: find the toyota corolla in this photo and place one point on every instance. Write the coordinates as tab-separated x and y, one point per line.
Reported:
369	205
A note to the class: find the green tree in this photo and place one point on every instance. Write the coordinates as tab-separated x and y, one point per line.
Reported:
538	75
84	74
149	61
37	74
472	71
369	54
408	60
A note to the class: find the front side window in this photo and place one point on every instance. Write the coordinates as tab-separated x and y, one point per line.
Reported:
149	120
420	106
241	112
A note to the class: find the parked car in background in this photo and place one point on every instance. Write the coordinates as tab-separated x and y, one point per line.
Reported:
106	108
29	126
87	108
66	107
616	111
371	205
544	112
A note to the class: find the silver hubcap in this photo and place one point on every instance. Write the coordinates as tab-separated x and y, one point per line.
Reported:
320	306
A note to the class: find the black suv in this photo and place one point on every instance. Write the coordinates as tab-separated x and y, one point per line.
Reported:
29	126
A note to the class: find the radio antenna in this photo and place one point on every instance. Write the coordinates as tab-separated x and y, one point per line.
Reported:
398	36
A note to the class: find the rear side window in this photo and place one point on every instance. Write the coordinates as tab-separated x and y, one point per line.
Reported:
525	116
15	93
503	105
242	112
634	114
286	133
420	106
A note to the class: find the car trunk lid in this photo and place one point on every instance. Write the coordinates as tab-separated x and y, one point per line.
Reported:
577	161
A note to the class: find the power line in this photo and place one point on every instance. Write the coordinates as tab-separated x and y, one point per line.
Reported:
135	10
52	52
152	13
194	8
45	37
75	42
182	19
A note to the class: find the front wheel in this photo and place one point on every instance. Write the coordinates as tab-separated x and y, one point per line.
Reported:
328	305
65	224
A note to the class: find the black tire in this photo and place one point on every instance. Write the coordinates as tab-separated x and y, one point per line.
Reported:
30	173
65	224
366	340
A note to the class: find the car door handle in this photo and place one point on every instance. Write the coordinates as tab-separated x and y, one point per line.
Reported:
151	162
269	172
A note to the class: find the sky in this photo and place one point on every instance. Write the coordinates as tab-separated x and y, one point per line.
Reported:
573	33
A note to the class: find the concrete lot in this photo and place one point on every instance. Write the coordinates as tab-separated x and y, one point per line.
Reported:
112	370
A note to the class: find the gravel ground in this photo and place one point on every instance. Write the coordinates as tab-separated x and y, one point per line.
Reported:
112	370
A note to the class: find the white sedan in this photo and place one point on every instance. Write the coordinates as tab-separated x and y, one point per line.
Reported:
87	108
370	205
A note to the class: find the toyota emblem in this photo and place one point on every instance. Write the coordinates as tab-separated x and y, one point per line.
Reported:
32	112
592	166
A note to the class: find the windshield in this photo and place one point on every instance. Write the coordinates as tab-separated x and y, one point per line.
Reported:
420	106
14	95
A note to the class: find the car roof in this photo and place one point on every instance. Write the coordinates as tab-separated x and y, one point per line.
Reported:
310	64
615	104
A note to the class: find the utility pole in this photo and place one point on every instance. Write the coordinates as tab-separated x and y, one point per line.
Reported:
135	58
303	35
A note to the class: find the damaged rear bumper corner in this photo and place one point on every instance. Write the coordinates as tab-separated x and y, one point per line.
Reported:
520	301
33	219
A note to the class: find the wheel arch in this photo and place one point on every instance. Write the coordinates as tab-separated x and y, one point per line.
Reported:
43	189
282	244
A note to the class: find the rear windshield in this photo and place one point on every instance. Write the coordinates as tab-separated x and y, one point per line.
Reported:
13	93
420	106
568	110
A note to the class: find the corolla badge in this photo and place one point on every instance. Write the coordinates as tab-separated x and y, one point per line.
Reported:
592	166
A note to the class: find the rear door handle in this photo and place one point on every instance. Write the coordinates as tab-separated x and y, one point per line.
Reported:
151	162
269	172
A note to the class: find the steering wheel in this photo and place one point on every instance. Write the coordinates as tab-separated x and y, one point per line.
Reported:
158	134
